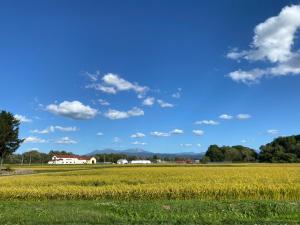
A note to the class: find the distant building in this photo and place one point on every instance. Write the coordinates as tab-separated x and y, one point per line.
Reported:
72	159
122	161
140	162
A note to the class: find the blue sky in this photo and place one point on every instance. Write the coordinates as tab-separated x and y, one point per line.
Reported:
159	75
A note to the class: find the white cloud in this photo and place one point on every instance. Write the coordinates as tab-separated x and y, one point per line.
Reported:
138	143
65	141
32	139
99	134
66	129
177	94
149	101
273	131
226	117
100	87
93	76
159	134
117	140
116	114
121	84
138	135
206	122
54	128
273	42
243	116
198	132
186	145
199	145
164	104
103	102
74	110
176	131
22	119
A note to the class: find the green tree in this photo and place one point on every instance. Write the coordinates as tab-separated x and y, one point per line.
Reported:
9	135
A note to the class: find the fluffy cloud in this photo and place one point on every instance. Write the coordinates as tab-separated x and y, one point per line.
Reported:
116	114
99	134
103	102
177	94
226	117
272	42
32	139
243	116
113	83
176	131
159	134
198	132
22	119
138	135
149	101
54	128
206	122
74	110
138	143
164	104
65	141
273	131
186	145
117	140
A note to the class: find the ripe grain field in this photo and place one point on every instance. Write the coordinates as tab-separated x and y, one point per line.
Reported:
212	182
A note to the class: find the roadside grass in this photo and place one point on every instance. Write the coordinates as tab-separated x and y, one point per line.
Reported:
154	212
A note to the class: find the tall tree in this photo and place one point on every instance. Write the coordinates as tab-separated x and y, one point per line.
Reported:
9	135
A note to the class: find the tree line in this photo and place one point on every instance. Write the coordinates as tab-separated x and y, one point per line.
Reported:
280	150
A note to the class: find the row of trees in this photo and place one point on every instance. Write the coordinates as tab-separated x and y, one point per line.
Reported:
282	149
236	153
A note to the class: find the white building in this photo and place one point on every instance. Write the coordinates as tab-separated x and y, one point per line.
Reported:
72	159
122	161
140	161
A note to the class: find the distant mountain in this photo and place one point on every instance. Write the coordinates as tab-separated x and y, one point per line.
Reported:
142	153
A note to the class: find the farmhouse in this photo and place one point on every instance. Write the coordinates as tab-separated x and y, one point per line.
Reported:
122	161
72	159
140	161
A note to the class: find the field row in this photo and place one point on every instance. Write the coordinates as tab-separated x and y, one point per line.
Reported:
222	183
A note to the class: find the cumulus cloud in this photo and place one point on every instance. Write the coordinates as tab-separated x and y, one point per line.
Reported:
198	132
138	135
273	131
117	140
186	145
51	129
243	116
103	102
22	119
149	101
34	140
159	134
272	42
74	110
99	134
116	114
138	143
65	141
164	104
206	122
177	94
226	117
113	83
176	131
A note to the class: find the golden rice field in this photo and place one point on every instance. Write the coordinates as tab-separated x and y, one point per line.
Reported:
239	182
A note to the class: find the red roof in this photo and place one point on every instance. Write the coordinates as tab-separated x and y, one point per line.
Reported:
73	156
